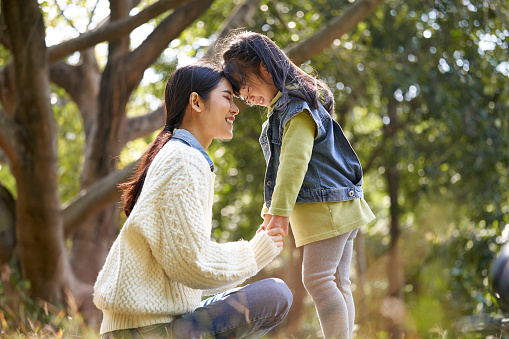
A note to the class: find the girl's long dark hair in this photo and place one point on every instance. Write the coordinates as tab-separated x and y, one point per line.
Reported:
199	78
242	54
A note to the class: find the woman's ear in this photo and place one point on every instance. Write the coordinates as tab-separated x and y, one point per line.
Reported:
195	102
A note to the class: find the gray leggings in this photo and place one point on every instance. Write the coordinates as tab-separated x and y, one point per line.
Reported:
326	277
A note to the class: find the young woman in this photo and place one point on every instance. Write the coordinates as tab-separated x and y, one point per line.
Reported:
163	260
313	177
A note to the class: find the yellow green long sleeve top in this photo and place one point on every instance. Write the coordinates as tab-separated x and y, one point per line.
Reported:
309	221
164	259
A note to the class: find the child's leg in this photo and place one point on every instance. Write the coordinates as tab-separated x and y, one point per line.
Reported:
325	274
343	279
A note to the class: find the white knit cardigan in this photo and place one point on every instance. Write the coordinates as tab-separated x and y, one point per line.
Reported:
164	258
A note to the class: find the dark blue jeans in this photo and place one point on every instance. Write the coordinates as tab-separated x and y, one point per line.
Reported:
245	312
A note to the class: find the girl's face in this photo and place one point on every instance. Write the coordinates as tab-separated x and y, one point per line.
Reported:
220	111
259	91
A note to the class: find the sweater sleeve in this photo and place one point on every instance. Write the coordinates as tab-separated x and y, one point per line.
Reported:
296	149
188	255
262	256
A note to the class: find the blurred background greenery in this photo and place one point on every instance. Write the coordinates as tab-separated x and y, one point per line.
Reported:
422	93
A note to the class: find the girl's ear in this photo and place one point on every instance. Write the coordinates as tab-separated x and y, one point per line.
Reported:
195	102
263	69
265	73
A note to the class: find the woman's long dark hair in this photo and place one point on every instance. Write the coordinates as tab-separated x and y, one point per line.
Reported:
199	78
242	54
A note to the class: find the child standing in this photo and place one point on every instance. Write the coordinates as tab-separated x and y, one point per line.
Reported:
313	177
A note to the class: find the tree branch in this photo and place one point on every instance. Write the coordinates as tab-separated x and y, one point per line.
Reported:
241	15
69	21
93	199
142	57
65	76
334	29
141	126
81	82
111	31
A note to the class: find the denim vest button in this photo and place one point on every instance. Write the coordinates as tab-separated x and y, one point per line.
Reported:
269	183
350	193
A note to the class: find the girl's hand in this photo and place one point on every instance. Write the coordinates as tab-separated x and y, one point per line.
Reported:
278	222
262	228
275	235
266	220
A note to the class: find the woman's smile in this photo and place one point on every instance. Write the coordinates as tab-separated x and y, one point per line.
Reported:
230	120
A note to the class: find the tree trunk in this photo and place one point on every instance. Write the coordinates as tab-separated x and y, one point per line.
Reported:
38	222
92	242
361	309
394	300
394	264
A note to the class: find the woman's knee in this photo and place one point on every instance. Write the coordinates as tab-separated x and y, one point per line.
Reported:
276	293
279	290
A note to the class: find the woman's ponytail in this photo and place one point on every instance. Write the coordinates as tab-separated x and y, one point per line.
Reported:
132	189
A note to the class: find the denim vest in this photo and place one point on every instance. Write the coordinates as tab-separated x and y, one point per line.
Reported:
334	171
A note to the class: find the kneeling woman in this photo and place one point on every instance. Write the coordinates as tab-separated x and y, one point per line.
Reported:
164	260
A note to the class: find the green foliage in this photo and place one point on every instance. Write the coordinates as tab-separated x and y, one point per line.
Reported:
240	168
441	65
430	60
7	179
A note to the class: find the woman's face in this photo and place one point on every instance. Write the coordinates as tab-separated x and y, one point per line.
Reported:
220	112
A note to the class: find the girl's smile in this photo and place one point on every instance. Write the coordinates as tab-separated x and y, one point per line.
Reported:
259	91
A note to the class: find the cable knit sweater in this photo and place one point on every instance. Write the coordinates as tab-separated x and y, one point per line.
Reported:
164	259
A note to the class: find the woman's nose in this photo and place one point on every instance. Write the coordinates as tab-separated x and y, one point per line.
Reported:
234	109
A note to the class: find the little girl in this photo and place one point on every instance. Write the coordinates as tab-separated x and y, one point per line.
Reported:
313	177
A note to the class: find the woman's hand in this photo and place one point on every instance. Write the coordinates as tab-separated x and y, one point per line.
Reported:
275	234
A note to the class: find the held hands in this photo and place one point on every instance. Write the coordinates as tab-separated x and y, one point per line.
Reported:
275	235
275	222
266	220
